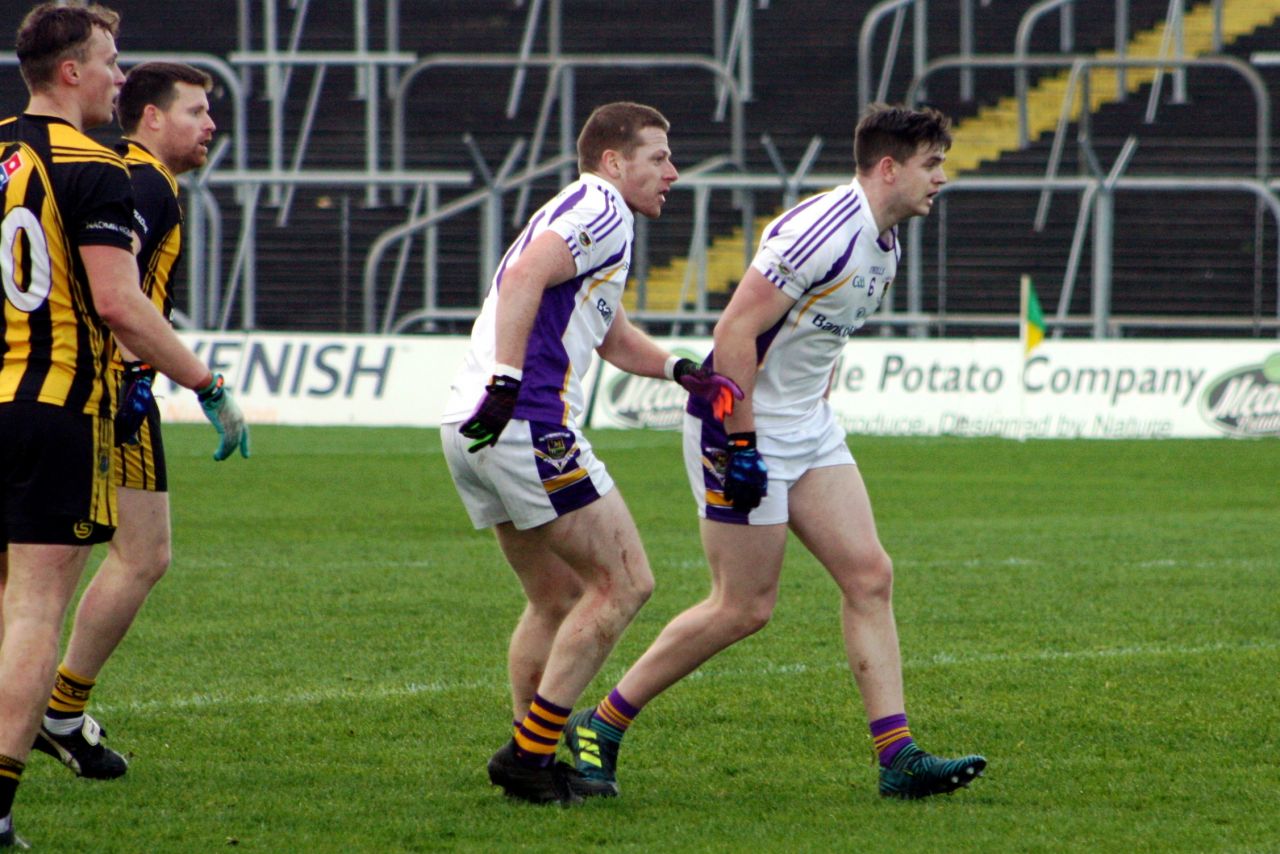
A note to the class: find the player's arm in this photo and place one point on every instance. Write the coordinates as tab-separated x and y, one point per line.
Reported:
757	304
544	263
628	348
127	355
113	279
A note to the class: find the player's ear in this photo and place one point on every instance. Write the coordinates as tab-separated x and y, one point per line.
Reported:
151	116
69	71
611	163
888	169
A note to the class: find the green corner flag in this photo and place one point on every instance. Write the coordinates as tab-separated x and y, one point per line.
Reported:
1032	318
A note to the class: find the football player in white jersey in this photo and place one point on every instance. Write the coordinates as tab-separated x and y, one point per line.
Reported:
780	460
512	436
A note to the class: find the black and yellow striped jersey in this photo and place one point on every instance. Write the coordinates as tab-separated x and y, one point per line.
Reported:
157	217
61	191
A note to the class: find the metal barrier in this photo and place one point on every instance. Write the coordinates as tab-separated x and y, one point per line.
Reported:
556	66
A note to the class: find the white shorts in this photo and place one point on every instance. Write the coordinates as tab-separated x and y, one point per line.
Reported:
536	473
817	442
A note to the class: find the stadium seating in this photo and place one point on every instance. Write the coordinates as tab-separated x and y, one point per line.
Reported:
310	258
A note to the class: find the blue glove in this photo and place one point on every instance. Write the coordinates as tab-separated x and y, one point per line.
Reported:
717	389
136	401
490	418
226	418
746	480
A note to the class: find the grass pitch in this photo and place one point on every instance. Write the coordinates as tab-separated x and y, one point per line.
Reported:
323	669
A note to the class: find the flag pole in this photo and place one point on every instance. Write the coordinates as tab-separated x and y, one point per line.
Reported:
1024	295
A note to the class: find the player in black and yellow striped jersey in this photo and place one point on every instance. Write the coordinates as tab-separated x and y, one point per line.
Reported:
164	111
70	281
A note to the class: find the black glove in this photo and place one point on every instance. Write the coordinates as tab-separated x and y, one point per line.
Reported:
746	480
490	418
136	401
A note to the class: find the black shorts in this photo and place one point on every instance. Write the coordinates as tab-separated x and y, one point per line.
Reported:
55	475
141	466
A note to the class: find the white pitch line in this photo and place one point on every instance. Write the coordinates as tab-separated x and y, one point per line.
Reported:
414	689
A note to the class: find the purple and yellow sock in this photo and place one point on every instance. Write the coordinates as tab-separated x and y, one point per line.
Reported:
890	735
614	715
539	732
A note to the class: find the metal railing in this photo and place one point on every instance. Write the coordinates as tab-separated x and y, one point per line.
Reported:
1078	65
557	65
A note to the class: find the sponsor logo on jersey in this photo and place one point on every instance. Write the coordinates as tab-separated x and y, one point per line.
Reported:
83	530
10	166
606	311
840	330
859	282
1245	401
102	225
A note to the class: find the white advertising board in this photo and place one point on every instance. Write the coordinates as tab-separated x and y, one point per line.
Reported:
281	378
900	387
1064	389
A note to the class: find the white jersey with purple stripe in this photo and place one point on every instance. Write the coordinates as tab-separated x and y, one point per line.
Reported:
827	255
574	316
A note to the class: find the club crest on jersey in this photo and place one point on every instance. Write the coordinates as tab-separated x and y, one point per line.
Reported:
556	449
584	239
10	166
782	270
715	460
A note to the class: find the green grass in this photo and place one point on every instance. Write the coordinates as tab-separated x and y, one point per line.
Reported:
323	669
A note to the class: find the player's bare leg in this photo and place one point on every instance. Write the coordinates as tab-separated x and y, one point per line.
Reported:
552	588
831	514
39	583
601	545
137	558
745	562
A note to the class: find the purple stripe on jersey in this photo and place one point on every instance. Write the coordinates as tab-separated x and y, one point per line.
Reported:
530	229
837	218
519	244
546	362
617	222
569	203
606	264
765	340
838	265
789	214
610	210
840	205
893	233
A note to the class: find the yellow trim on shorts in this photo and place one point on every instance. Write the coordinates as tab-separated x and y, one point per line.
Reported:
102	501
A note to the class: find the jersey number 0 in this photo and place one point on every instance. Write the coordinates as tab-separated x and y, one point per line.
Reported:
24	260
